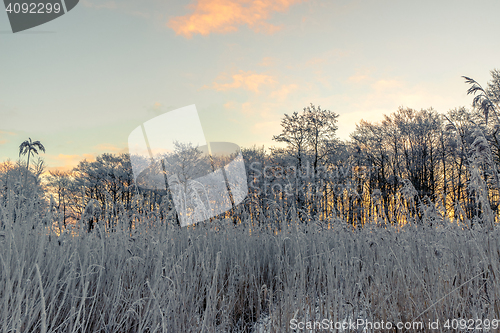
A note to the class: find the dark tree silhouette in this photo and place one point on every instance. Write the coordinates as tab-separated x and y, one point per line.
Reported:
29	148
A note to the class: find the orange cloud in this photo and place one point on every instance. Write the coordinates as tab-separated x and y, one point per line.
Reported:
384	85
2	133
263	118
67	162
224	16
282	93
267	62
245	108
357	78
246	80
109	148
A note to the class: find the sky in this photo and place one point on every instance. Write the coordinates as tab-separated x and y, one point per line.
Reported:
82	83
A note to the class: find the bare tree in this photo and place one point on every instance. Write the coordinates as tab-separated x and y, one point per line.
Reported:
309	137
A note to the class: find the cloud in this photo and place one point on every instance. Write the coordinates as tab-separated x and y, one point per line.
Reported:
3	134
385	94
156	108
362	76
110	148
282	93
387	85
270	126
378	85
262	118
267	62
245	108
65	162
256	83
358	78
325	58
247	80
223	16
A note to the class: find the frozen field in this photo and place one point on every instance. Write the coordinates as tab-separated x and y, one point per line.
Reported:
243	278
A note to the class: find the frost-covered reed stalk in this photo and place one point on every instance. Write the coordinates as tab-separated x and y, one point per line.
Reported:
225	278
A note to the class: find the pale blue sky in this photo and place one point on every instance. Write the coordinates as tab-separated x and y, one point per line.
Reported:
83	82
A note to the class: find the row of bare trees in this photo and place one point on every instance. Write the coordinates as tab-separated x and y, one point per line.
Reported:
393	171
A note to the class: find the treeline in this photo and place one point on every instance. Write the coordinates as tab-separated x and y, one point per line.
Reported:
412	163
